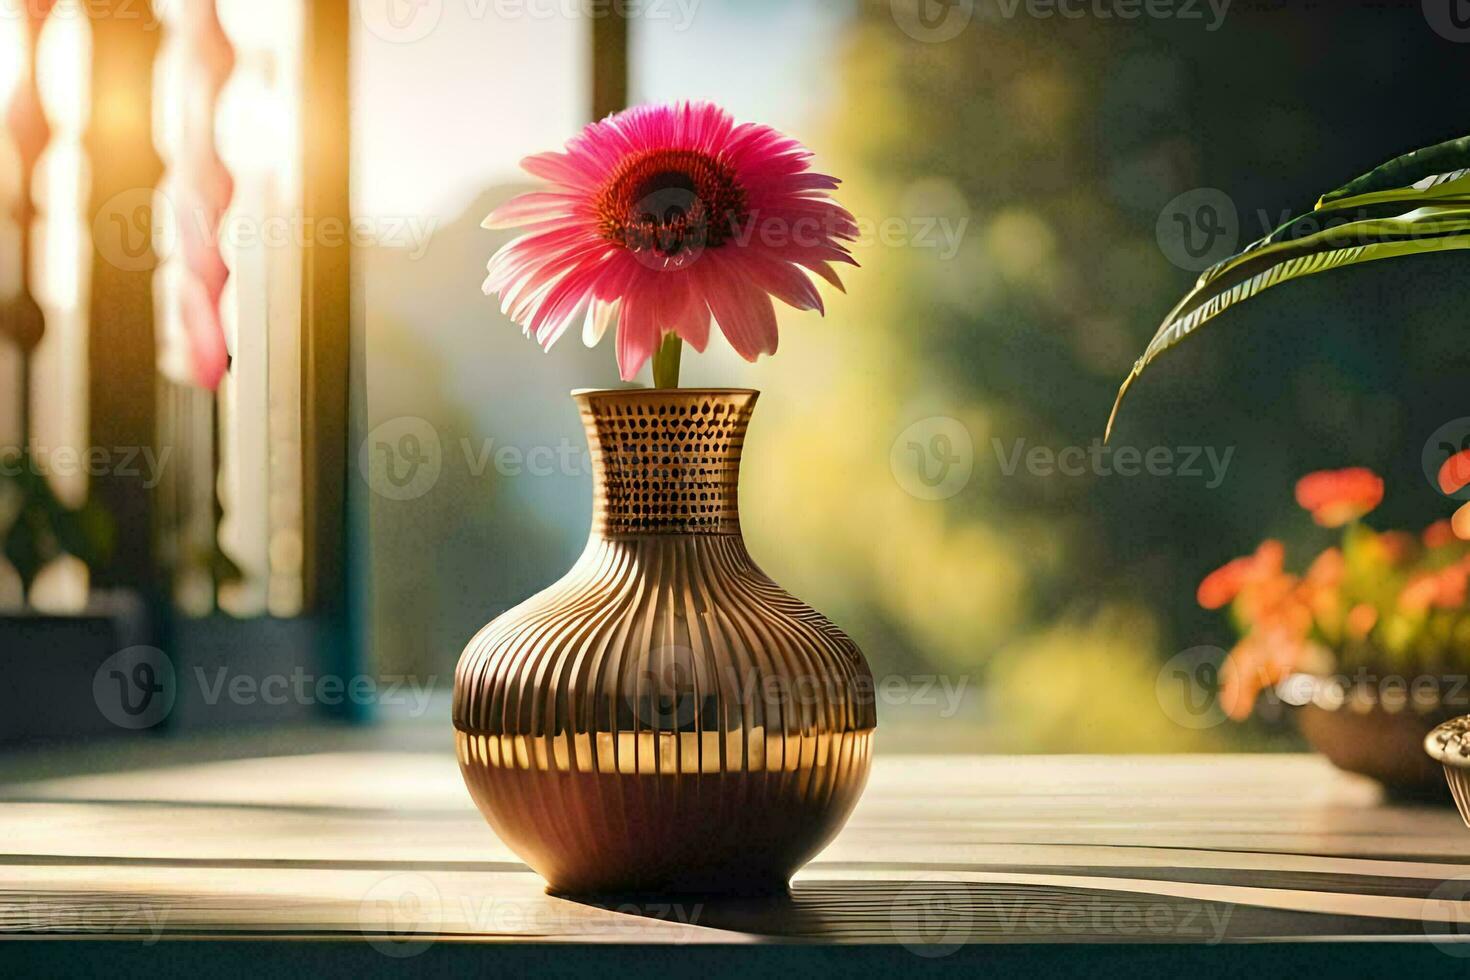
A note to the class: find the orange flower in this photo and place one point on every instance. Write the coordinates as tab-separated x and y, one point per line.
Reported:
1280	603
1270	597
1325	603
1326	570
1221	586
1420	593
1396	546
1270	556
1454	475
1450	586
1360	620
1337	497
1240	682
1261	659
1439	534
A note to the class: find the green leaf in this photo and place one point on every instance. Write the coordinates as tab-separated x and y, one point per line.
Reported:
25	547
1416	204
87	533
44	527
1406	170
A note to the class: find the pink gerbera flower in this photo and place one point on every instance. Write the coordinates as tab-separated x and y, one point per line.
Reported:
661	217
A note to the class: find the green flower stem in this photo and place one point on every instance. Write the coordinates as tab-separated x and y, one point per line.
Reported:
666	362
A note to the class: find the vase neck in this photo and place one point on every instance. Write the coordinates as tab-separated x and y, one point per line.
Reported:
665	461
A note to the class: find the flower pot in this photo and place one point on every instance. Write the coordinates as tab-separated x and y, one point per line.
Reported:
665	718
58	667
1378	730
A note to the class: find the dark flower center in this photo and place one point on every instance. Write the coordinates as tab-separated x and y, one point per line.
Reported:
670	202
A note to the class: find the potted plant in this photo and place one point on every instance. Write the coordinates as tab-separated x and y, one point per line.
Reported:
1368	646
54	649
1379	599
666	718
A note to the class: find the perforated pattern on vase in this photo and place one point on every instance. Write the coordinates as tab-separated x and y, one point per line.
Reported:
666	462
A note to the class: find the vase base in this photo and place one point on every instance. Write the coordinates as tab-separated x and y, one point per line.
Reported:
731	834
694	889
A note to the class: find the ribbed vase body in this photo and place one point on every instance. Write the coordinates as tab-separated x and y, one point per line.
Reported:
665	718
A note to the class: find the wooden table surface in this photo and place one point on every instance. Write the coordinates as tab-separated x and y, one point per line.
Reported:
385	847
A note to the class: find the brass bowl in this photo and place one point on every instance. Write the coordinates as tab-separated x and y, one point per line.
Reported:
1377	730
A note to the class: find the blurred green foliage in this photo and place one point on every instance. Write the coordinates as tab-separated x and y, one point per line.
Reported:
1054	146
41	527
1062	142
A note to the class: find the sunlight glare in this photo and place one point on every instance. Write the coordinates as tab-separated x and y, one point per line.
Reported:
13	56
63	60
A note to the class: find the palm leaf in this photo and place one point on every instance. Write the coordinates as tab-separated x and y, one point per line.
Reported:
1415	204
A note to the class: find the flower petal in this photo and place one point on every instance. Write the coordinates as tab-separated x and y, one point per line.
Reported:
745	313
559	168
600	316
530	208
784	281
685	313
638	336
1461	522
1454	475
693	326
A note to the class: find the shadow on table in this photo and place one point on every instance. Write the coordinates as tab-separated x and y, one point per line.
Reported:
936	914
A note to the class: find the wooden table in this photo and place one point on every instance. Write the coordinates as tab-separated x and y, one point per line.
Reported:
384	849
